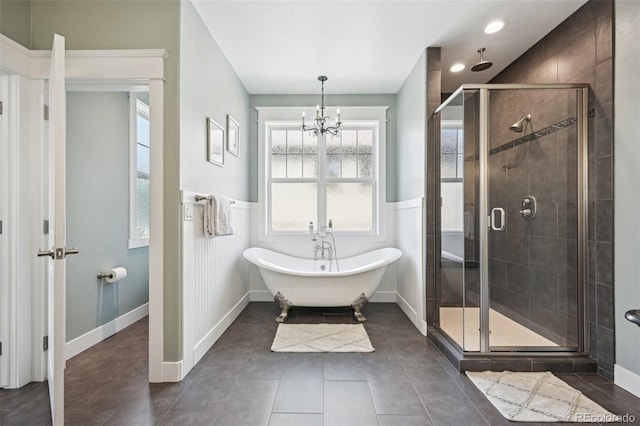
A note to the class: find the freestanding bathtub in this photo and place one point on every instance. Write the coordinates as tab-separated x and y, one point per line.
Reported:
306	282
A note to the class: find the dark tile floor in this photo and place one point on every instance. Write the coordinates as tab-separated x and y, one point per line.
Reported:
406	381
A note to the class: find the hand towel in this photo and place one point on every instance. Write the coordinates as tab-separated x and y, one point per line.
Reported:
209	217
223	225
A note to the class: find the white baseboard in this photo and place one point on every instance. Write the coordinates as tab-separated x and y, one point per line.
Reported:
383	297
378	296
212	336
172	371
97	335
408	310
627	379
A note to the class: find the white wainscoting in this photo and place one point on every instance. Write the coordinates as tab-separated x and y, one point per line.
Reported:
215	281
410	267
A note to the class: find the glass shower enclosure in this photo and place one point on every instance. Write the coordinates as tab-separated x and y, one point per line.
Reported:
513	218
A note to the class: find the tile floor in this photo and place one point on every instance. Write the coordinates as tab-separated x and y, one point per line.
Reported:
405	382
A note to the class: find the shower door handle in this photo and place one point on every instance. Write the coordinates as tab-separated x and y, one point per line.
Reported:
495	212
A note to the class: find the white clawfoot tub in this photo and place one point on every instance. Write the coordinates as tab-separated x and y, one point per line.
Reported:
299	282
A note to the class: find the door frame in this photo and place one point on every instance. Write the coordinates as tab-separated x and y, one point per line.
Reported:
118	67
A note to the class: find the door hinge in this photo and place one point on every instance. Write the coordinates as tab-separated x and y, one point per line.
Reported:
46	112
0	227
1	105
45	226
0	348
45	343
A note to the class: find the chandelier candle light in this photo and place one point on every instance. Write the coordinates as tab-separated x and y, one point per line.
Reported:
318	128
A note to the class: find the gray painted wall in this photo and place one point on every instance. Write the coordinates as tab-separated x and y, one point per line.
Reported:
149	24
98	212
209	87
627	180
411	131
329	100
15	21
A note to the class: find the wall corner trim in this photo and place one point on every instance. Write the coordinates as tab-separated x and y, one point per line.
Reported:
626	379
172	371
97	335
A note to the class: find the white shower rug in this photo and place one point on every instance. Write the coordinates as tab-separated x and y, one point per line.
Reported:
537	397
321	338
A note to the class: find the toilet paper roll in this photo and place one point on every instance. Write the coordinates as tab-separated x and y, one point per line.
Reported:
116	274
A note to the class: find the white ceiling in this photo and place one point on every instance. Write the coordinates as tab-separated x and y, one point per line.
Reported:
280	47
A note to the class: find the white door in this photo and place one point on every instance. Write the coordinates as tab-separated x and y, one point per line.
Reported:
57	276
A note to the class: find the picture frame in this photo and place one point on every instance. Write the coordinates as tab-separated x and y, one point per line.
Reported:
233	136
215	142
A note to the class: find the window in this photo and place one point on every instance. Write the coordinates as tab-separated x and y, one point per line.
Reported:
139	174
452	172
309	179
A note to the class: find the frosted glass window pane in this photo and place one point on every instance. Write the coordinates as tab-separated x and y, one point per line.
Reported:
460	172
452	206
365	141
294	166
364	166
310	144
294	142
350	206
278	142
293	206
449	140
333	145
448	165
349	141
349	166
460	141
333	166
309	166
279	166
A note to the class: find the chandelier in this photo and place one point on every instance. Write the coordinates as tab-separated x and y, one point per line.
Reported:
321	122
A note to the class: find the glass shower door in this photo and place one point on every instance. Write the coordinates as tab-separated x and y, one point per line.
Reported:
532	270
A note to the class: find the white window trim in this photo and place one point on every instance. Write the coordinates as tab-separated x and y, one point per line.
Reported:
134	242
366	115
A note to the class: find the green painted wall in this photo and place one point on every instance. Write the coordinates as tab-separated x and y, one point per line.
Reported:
330	100
15	21
142	24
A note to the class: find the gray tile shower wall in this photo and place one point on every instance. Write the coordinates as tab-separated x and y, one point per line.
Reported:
432	191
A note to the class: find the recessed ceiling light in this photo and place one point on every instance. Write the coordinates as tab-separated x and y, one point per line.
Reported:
456	67
494	27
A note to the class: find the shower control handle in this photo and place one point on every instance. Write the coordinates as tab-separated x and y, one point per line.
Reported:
495	212
529	207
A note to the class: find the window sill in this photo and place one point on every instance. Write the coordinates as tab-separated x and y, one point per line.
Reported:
138	243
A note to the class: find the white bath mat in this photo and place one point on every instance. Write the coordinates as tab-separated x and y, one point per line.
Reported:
537	397
321	338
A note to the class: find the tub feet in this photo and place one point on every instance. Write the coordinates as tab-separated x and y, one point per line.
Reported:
285	305
357	305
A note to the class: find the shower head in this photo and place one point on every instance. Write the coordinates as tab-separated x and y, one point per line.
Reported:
518	125
482	65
